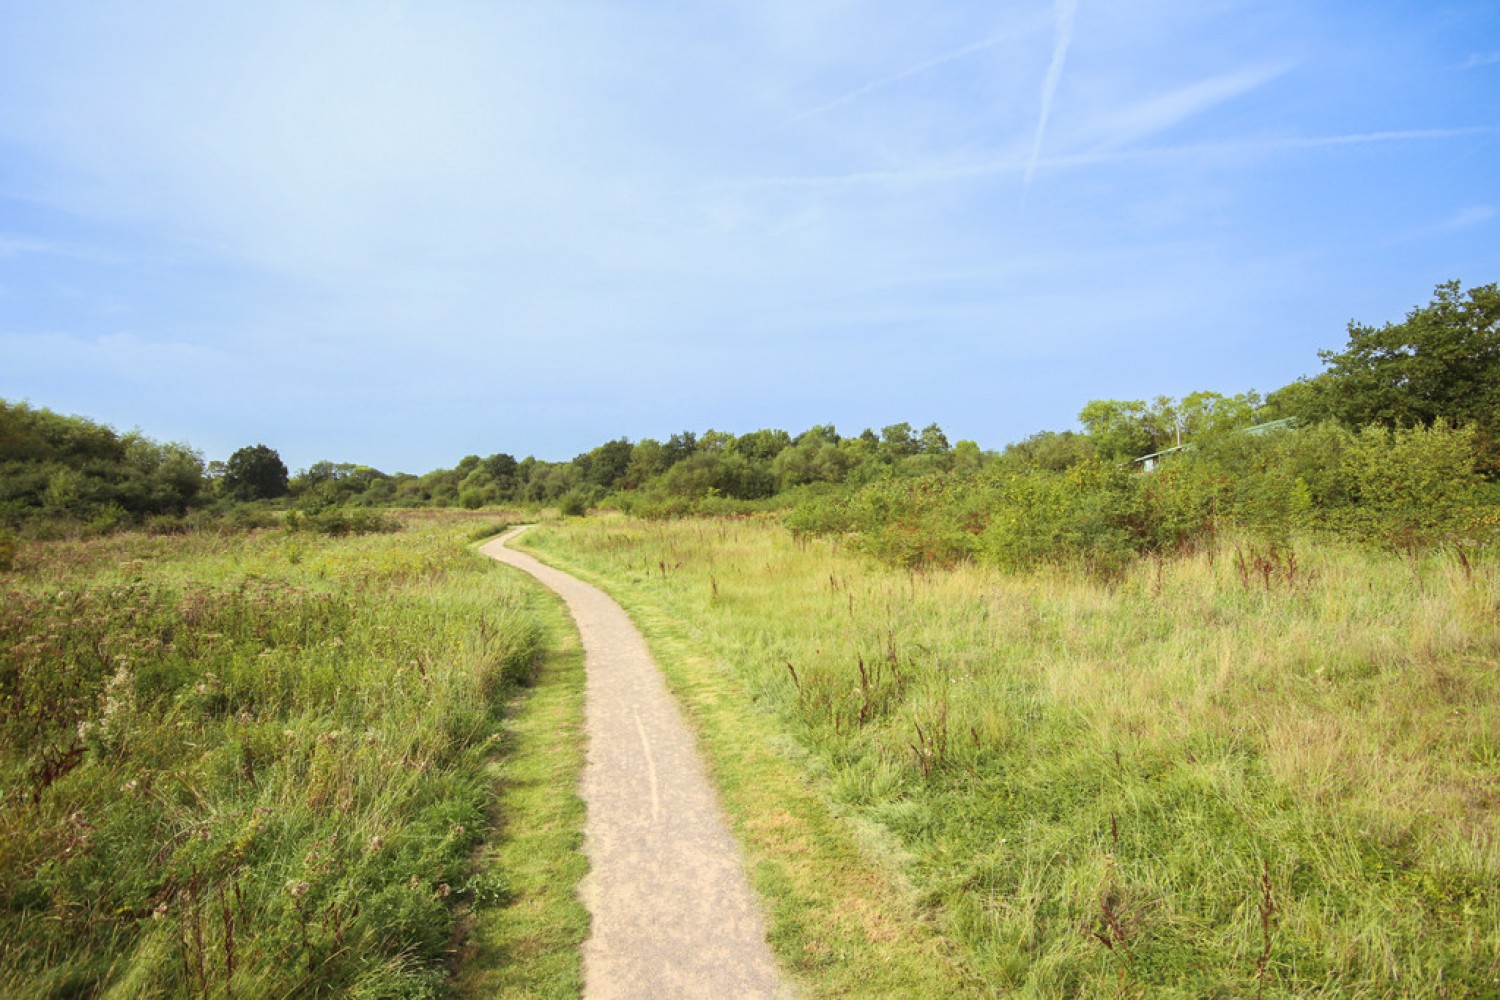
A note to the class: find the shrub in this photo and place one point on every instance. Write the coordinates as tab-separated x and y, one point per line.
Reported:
1414	487
1079	516
8	548
574	503
342	521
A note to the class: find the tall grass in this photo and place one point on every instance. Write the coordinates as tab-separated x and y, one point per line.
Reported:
1248	772
248	765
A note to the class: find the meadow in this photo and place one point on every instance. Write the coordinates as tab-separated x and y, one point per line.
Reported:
1246	771
274	762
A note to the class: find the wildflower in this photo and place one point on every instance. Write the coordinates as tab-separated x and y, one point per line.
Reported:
375	844
297	889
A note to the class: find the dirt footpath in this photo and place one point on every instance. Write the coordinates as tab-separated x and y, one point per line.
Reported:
672	913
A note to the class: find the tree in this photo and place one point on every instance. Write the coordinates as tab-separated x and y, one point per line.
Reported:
897	441
680	446
763	445
1442	362
607	464
502	469
1119	428
1055	451
255	473
933	441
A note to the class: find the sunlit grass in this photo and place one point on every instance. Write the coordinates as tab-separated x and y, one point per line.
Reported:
251	764
1237	773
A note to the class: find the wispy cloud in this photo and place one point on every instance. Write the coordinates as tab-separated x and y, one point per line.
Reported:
1123	126
1479	59
1066	12
1468	218
1231	151
13	246
920	68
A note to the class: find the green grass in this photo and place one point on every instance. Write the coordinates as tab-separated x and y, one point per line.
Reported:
260	764
843	921
525	937
1229	775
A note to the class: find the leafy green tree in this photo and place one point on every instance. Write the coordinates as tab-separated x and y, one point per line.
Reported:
813	459
647	459
898	441
762	445
1120	429
933	441
967	458
1201	415
160	478
1441	362
606	466
255	473
680	446
502	470
1051	450
820	432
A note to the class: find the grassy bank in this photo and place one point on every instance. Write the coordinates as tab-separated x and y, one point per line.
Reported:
1248	772
524	939
253	764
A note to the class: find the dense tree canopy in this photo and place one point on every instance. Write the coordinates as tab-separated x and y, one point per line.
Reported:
1439	369
1442	361
255	473
64	467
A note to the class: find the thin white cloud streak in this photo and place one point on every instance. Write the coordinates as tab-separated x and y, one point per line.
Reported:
917	70
1016	164
1151	117
1066	11
1469	217
12	247
1479	59
1474	215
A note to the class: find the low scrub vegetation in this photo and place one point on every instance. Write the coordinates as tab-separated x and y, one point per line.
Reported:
1408	490
249	764
1262	768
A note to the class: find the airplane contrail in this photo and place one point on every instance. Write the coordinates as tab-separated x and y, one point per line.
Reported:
920	67
1066	11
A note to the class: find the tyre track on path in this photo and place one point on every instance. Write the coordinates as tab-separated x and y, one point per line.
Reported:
672	913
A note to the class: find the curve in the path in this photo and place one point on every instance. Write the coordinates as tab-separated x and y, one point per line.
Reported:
672	913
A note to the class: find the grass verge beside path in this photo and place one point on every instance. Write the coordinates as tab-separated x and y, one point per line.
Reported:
841	922
1245	773
525	935
261	763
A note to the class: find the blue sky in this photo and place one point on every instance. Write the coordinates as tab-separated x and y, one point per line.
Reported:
399	233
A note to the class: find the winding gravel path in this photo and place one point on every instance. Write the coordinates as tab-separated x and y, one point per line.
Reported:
672	913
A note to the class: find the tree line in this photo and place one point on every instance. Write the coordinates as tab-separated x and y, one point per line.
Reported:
1436	372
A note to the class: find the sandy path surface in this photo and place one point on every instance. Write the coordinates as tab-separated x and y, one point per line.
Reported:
672	913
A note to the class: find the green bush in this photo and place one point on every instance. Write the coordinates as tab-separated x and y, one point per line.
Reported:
933	520
574	503
8	548
1080	516
1412	487
342	521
